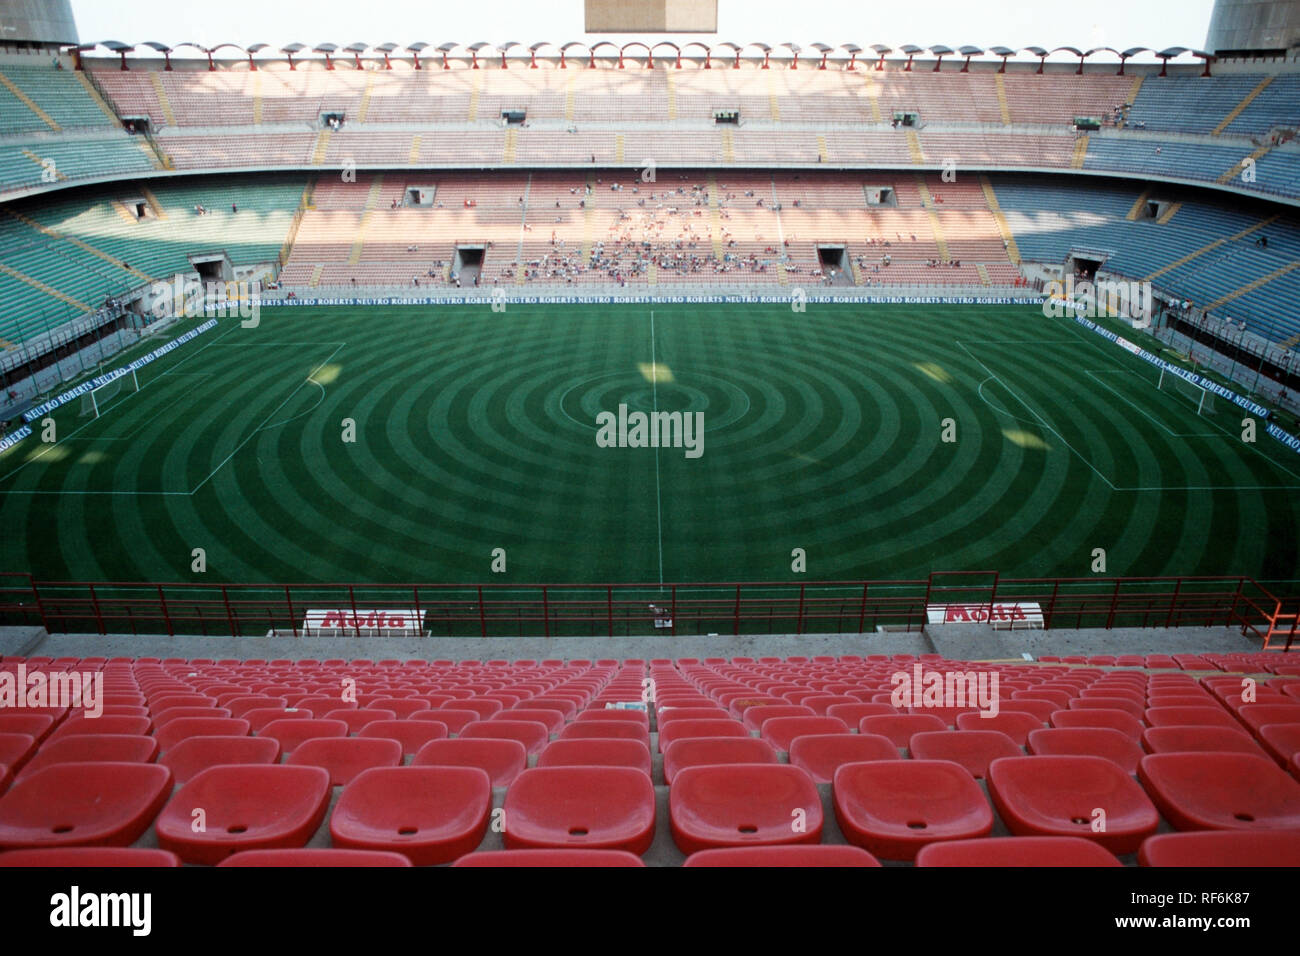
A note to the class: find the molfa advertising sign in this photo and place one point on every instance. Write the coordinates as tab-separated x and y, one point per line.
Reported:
346	622
1009	615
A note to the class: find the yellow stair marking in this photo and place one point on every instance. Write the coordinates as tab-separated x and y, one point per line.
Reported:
984	274
322	144
781	276
165	104
1133	90
569	95
857	272
97	253
5	345
1003	106
672	95
1252	286
365	97
413	154
48	290
914	147
1210	247
1080	151
148	151
618	147
1138	204
27	101
476	81
119	207
40	161
652	274
1236	110
1004	227
1168	214
773	104
926	199
939	239
316	271
715	217
257	98
1236	169
822	153
511	146
586	217
1292	342
728	146
873	95
372	200
157	207
94	95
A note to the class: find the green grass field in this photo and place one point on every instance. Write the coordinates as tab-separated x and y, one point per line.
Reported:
476	430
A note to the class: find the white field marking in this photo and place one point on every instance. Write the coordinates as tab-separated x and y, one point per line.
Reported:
259	428
659	514
1138	408
984	398
313	408
142	387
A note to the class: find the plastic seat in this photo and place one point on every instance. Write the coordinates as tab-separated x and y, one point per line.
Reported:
175	713
742	805
502	760
566	707
131	726
822	754
852	714
553	719
16	750
245	807
550	858
604	730
707	751
667	715
177	730
429	814
1115	746
755	716
356	718
411	734
1160	740
1282	741
1057	796
291	733
1015	725
682	729
597	753
344	758
193	755
892	808
315	858
781	731
616	716
973	749
83	804
1253	716
1210	715
484	707
1220	848
1119	720
946	715
1221	791
1130	706
804	855
531	733
82	857
589	807
900	727
36	726
1021	851
93	748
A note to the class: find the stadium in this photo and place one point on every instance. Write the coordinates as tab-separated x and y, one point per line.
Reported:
649	449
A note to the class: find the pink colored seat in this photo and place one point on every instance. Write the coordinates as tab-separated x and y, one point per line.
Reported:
781	731
800	855
893	808
1020	851
1106	742
244	807
83	804
1221	791
93	748
345	758
973	749
550	858
705	751
822	754
580	807
1220	848
596	753
429	814
743	805
531	733
193	755
502	760
1184	739
1058	796
900	727
1015	725
315	858
411	734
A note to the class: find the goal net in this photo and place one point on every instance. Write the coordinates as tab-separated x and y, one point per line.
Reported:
1197	397
96	400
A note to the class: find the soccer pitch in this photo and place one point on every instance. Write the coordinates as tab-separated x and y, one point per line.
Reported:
475	431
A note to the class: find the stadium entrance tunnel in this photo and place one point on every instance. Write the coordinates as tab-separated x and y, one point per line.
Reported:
215	267
834	261
467	265
1083	264
880	195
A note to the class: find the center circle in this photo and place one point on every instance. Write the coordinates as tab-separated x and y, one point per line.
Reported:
667	398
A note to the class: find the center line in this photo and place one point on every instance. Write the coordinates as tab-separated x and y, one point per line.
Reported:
654	385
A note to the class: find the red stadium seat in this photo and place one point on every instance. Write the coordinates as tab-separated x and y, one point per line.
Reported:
244	807
356	718
1253	716
315	858
403	707
553	719
616	716
754	716
455	718
178	730
900	727
501	760
973	749
16	750
568	710
1119	720
597	753
1282	741
1130	706
706	751
803	855
1221	791
822	754
83	804
1057	796
550	858
86	857
743	805
605	730
1014	725
1021	851
345	758
531	733
1209	715
37	726
851	714
411	734
291	733
780	731
482	706
1221	848
682	729
92	748
1116	747
580	807
131	726
669	714
1160	740
429	814
193	755
175	713
893	808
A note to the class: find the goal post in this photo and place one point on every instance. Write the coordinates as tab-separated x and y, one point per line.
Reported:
1202	399
96	400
